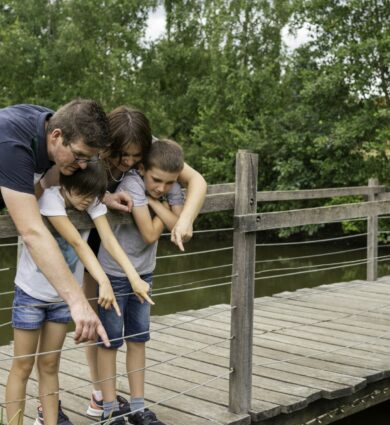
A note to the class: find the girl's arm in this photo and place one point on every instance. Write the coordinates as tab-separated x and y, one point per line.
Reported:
196	194
113	247
167	215
67	230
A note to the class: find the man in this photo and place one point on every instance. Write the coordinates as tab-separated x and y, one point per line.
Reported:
32	139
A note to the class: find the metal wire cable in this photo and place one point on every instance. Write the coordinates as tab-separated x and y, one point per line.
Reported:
194	253
88	384
313	241
160	402
99	343
321	265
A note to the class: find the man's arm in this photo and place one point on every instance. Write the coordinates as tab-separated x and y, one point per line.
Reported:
196	194
24	211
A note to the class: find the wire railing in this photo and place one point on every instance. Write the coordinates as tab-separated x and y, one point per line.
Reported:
274	270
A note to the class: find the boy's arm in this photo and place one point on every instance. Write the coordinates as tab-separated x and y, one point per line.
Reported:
113	247
167	215
150	228
67	230
47	256
196	194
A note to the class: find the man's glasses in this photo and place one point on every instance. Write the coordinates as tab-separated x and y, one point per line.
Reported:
83	159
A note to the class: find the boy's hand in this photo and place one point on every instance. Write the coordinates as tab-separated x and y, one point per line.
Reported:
141	289
107	297
120	201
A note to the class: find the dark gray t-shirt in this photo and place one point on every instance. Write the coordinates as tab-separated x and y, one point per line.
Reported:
23	149
141	254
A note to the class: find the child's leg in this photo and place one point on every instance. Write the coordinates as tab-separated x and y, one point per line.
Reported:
90	291
107	372
137	322
52	339
135	364
113	324
25	343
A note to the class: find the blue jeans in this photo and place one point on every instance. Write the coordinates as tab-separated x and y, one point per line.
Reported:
133	325
30	313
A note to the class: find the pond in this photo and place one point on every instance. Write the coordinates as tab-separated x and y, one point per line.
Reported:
201	277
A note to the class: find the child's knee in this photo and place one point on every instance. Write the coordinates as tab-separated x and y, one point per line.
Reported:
48	365
23	367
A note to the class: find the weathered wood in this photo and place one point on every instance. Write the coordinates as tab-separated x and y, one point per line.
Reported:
294	195
312	355
242	291
372	237
291	218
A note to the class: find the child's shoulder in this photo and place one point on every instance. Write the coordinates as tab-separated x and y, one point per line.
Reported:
132	178
51	202
51	194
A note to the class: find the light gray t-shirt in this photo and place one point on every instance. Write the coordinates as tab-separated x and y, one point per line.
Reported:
28	276
141	254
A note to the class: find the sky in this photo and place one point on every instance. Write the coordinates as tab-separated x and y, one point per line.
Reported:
156	27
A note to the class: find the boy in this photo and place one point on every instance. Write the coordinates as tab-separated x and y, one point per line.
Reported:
39	316
156	177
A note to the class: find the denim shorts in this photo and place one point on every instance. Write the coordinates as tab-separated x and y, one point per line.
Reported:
133	325
30	313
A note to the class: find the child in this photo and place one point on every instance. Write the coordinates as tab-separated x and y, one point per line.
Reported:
39	316
155	178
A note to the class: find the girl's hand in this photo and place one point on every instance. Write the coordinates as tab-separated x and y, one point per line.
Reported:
107	297
120	201
141	289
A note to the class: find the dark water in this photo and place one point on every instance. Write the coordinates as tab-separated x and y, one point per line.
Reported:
179	291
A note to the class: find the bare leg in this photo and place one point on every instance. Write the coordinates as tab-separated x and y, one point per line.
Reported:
52	338
90	291
107	372
135	364
25	342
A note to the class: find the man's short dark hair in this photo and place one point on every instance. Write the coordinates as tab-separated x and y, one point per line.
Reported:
82	119
166	155
91	181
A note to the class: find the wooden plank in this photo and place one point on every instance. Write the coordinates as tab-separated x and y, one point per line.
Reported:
242	288
294	195
291	218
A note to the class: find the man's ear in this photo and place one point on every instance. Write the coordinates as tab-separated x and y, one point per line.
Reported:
55	135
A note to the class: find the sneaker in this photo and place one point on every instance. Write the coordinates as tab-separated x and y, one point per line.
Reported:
144	418
112	419
62	418
95	407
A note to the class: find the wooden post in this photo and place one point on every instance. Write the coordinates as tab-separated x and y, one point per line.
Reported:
372	237
242	292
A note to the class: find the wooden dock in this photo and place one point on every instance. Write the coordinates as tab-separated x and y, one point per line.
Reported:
319	354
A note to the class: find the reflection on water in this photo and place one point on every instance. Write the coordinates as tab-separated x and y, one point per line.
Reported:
179	279
271	260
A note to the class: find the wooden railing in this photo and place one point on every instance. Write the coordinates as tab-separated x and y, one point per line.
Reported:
242	197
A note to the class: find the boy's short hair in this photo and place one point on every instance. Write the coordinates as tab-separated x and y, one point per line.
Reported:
91	181
82	119
166	155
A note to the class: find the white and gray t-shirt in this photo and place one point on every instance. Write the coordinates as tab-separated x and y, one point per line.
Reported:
141	254
28	276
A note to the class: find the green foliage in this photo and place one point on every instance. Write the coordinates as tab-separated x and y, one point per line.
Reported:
220	79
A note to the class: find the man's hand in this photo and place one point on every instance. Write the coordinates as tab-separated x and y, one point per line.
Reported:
120	201
87	323
182	232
